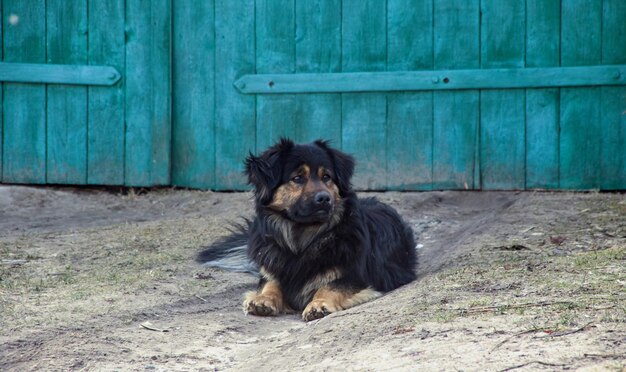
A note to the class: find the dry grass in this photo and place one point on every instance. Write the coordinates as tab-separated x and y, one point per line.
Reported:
98	271
535	290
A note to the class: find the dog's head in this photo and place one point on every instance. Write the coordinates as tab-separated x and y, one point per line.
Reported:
305	183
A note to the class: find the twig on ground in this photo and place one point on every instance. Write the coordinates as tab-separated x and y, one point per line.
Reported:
533	362
607	356
535	330
569	332
13	262
203	299
149	326
487	309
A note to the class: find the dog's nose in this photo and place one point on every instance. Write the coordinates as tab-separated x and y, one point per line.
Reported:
322	198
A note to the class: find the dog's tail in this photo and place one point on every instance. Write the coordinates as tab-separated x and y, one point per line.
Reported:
230	252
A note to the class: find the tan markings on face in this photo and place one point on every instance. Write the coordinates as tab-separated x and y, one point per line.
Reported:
330	185
288	193
321	183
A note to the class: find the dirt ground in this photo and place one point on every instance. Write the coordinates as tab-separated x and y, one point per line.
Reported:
104	279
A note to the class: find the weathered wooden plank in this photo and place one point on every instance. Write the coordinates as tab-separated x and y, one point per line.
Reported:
58	74
318	49
105	109
502	140
148	93
543	21
580	139
318	36
455	114
193	121
613	102
1	96
502	112
24	39
66	131
235	113
275	52
462	79
364	115
409	115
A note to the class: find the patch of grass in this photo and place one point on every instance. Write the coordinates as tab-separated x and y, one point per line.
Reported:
601	258
558	292
96	270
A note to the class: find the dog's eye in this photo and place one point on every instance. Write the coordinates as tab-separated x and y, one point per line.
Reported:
298	179
326	178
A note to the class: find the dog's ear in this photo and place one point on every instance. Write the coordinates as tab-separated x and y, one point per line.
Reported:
264	171
343	166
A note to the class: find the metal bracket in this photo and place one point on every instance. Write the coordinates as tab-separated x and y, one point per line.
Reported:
41	73
433	80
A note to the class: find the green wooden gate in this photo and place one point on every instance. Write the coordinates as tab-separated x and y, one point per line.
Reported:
429	94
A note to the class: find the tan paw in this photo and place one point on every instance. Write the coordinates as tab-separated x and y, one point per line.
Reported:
263	305
317	309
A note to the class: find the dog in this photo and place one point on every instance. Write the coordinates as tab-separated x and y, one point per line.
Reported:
318	247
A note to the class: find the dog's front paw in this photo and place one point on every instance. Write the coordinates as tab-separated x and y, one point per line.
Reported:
260	304
317	309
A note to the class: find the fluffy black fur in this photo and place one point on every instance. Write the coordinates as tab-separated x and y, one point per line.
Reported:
363	240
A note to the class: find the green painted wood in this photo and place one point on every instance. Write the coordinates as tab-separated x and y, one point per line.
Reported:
455	114
613	101
193	121
275	52
66	131
580	139
105	107
235	113
364	115
318	50
488	78
502	114
409	115
502	141
543	20
1	96
58	74
393	82
24	113
148	93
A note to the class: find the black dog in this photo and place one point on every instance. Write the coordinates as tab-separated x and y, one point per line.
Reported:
318	248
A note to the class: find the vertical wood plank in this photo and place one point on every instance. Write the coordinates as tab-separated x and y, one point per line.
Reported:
580	140
66	132
24	115
2	17
275	53
193	121
105	132
235	112
455	114
543	20
502	112
364	115
318	49
409	115
148	93
613	102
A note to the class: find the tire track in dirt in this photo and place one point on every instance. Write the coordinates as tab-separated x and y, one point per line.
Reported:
458	218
